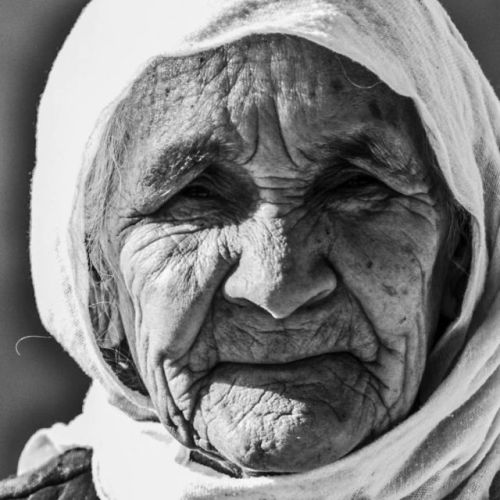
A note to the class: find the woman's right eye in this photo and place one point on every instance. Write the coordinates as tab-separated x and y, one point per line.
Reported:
195	199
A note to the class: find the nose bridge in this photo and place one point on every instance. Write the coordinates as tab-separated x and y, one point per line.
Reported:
272	249
279	270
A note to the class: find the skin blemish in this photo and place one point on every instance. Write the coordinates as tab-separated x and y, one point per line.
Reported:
390	290
337	85
393	116
375	110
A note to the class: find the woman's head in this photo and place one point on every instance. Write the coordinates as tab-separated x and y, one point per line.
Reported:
266	219
270	235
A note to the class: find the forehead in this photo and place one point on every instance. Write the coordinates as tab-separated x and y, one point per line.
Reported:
226	83
214	104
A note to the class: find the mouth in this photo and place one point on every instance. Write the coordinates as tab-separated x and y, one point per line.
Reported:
271	343
293	364
297	373
277	352
260	415
284	377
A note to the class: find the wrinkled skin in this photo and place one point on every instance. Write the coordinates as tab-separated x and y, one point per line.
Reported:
278	242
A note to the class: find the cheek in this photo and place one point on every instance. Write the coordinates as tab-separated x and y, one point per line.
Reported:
387	261
170	279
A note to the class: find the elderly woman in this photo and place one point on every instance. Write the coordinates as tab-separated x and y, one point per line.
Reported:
268	231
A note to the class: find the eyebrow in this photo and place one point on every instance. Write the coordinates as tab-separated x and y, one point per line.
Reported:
172	162
356	147
169	165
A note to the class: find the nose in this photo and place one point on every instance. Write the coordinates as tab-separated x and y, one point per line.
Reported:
279	273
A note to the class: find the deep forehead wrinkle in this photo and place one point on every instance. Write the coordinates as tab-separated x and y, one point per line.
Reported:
179	128
258	65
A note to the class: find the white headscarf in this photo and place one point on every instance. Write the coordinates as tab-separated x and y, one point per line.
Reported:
451	446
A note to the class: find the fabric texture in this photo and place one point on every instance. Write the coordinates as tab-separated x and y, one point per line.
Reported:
451	445
68	476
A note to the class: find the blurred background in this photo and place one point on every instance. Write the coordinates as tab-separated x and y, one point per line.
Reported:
41	384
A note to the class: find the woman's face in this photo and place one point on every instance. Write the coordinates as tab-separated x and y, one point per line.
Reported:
278	241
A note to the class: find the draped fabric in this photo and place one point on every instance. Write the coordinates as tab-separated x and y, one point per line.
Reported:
451	445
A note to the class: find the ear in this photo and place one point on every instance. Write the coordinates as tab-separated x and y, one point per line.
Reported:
104	310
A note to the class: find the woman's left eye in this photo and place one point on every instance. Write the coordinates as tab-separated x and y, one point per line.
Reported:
197	192
359	182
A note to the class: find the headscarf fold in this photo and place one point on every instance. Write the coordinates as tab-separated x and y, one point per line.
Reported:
450	447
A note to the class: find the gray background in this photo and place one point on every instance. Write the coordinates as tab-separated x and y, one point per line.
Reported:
44	385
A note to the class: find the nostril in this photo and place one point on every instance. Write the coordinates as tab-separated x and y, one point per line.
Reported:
318	298
279	294
234	290
237	300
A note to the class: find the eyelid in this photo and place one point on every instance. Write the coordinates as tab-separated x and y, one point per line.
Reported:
345	173
362	175
200	175
203	180
207	186
335	184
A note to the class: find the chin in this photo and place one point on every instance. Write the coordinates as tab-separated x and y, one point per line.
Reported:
290	418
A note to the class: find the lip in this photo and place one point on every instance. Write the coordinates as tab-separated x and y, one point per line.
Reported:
328	377
270	359
294	365
243	338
